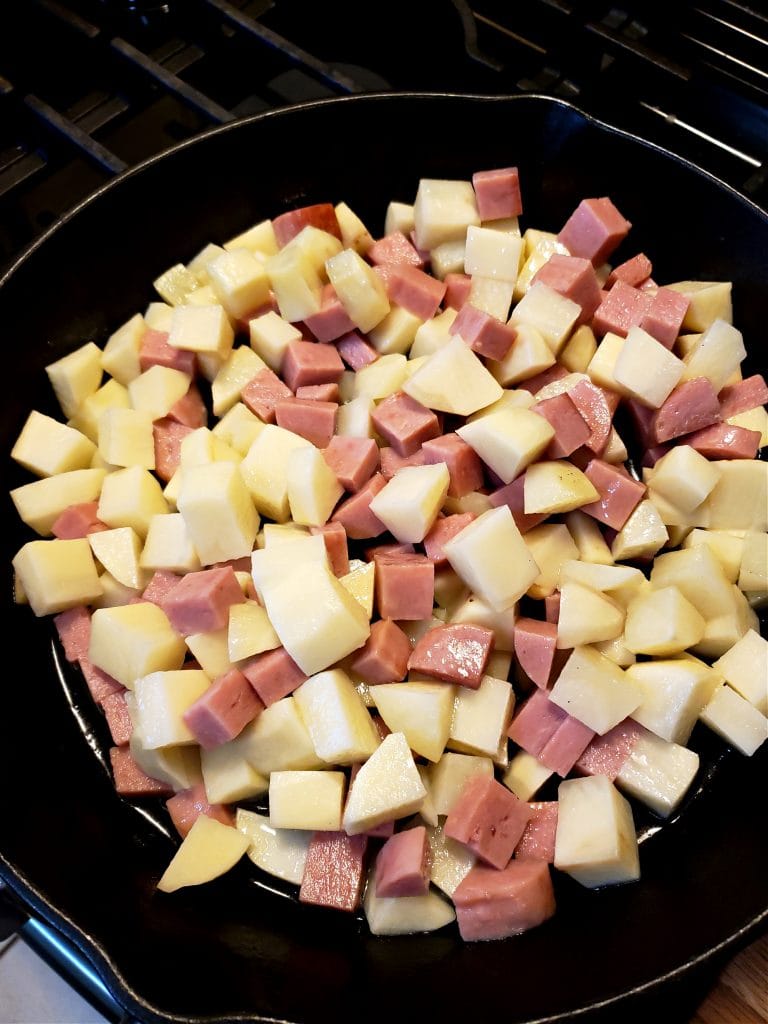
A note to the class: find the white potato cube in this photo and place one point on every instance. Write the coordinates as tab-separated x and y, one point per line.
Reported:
120	358
557	486
736	720
46	447
338	722
404	915
530	354
283	556
134	640
674	692
157	390
453	379
168	546
158	316
40	503
450	861
313	489
509	440
114	593
602	366
306	800
360	583
552	314
525	775
491	295
588	537
481	717
354	234
709	301
586	616
699	576
359	288
685	477
208	850
236	371
551	546
238	428
658	773
259	239
76	376
726	546
281	852
409	503
492	253
380	378
387	787
662	622
421	711
396	332
131	497
745	668
279	741
175	284
643	534
56	574
447	258
296	282
270	336
579	350
239	281
111	396
450	775
399	217
119	552
202	329
249	631
433	334
210	650
646	369
618	580
717	354
228	777
161	700
443	211
739	500
595	690
753	571
218	512
126	438
265	470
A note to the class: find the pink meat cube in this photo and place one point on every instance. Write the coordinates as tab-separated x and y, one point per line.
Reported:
535	723
161	583
665	316
512	496
74	629
457	289
335	537
414	290
130	780
319	392
488	819
723	441
168	435
652	455
154	350
540	380
262	394
632	272
332	320
77	521
100	684
384	656
189	410
619	494
402	866
355	514
273	675
444	529
691	406
223	711
538	840
741	397
389	551
594	230
464	466
404	587
643	419
353	459
405	423
186	806
118	719
552	607
456	653
621	308
394	249
485	334
312	420
321	215
391	461
382	831
306	362
596	406
333	874
200	601
571	429
535	646
605	755
496	904
575	278
566	745
356	351
498	193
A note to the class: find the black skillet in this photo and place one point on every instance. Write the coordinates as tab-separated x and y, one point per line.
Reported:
87	861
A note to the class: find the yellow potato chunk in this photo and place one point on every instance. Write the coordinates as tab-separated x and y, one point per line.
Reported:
342	731
46	447
202	329
218	512
126	438
525	775
56	574
131	497
709	301
453	379
552	314
646	369
409	503
209	849
481	717
306	800
111	396
265	470
249	631
119	552
40	503
443	211
169	546
736	720
120	358
359	288
422	712
359	581
239	281
161	700
448	777
279	741
595	841
595	690
76	376
387	787
313	489
662	622
131	641
508	440
556	487
551	546
586	616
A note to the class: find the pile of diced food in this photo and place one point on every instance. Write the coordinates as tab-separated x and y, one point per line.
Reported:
347	528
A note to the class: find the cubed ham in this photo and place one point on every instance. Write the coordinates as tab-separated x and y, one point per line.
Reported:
404	587
443	530
321	215
189	410
457	289
538	840
78	521
356	351
652	455
130	780
333	874
355	514
100	684
74	629
597	407
605	755
161	583
552	607
154	350
633	271
414	290
464	466
512	495
392	461
224	710
306	362
402	866
456	653
498	193
536	722
496	904
273	675
118	719
331	321
665	316
168	435
619	494
335	537
571	429
485	334
535	646
573	277
405	423
263	392
186	806
741	397
312	420
488	819
319	392
594	230
200	601
691	406
540	380
394	249
723	441
353	459
388	551
565	746
621	308
384	656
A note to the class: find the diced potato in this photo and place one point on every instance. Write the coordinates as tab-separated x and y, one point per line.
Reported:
481	717
453	379
447	258
210	849
40	503
240	367
525	775
491	295
698	576
579	350
131	497
726	546
684	477
201	329
450	861
753	571
306	800
433	334
674	692
387	787
721	632
739	500
239	428
602	366
557	486
399	217
239	281
745	668
404	915
618	580
646	369
492	253
265	470
168	545
586	616
396	332
126	438
443	211
76	376
134	640
210	650
161	700
551	546
448	777
643	534
56	574
285	555
249	631
377	380
508	440
228	777
408	504
359	288
616	651
709	301
120	358
270	336
421	711
354	234
753	419
552	314
736	720
595	690
658	773
718	352
313	489
260	239
529	355
119	552
280	852
279	741
359	581
175	284
110	396
338	722
662	622
46	447
157	390
588	537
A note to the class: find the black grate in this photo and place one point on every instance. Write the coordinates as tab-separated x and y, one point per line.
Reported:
89	87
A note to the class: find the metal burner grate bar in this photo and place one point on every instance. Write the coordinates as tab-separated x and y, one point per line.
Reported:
72	132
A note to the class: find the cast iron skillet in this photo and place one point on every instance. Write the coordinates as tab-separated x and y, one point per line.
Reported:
87	861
